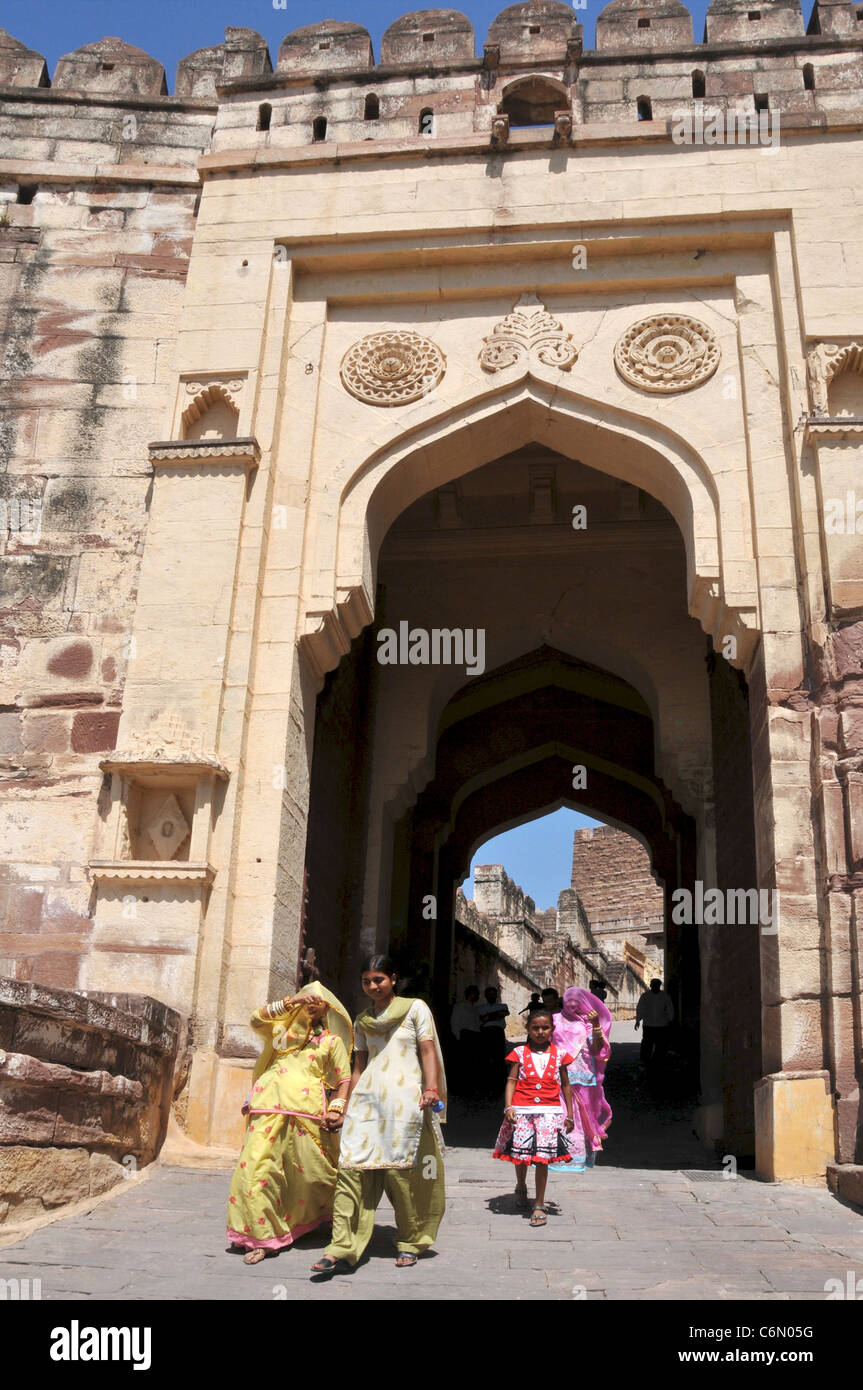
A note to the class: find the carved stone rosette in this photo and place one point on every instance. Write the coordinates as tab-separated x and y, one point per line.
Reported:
530	328
392	368
665	353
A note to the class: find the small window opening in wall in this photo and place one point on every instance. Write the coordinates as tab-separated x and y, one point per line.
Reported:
428	38
265	115
860	16
808	77
326	43
698	84
645	110
107	67
533	29
754	14
372	109
427	121
26	193
319	128
644	24
762	102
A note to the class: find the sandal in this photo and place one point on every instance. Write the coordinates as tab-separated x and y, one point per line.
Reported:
254	1257
538	1217
325	1265
405	1259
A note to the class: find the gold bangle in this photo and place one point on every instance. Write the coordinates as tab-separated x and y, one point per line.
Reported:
337	1105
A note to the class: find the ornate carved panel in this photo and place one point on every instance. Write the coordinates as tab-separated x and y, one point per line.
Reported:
392	368
529	329
667	352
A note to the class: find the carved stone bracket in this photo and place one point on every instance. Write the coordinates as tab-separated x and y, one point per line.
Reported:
667	352
721	621
529	329
327	636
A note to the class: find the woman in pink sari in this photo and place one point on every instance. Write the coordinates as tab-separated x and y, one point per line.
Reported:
583	1028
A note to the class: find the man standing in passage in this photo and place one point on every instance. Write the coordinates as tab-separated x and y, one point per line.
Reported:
656	1011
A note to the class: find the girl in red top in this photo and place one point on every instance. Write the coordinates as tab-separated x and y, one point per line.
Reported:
538	1126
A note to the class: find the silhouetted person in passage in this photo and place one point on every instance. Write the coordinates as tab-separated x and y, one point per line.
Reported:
598	988
533	1003
464	1025
492	1032
656	1011
552	1000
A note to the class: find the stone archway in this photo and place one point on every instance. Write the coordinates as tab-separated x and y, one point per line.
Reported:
415	808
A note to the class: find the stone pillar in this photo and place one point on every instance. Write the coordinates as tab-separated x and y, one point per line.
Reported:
160	869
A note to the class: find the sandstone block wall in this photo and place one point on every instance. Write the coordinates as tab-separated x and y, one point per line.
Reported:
86	1083
98	196
611	873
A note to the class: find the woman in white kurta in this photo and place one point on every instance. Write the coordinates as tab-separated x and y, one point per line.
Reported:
391	1138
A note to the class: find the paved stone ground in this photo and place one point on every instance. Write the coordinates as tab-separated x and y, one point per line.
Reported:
657	1220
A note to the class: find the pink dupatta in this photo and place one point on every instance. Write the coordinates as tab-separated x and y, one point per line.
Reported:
573	1031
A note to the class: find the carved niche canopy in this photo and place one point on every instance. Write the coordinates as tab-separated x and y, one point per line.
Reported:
667	352
530	328
392	368
825	361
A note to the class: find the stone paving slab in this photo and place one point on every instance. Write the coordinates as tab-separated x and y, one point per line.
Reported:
609	1239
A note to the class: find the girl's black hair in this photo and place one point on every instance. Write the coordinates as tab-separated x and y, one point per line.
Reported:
536	1012
382	963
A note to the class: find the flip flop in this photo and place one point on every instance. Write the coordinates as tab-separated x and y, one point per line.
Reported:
405	1259
327	1266
538	1217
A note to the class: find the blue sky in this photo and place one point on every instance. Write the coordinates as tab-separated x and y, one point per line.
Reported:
169	29
537	855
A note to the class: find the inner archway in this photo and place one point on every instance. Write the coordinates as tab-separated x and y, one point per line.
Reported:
578	581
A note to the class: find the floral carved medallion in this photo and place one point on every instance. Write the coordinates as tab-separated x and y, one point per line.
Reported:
530	328
668	352
392	368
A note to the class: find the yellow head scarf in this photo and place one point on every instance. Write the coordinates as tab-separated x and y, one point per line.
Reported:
294	1025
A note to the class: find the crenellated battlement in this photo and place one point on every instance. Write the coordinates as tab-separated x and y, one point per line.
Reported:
645	55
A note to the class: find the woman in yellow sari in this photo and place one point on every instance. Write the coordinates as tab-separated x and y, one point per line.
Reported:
284	1182
392	1139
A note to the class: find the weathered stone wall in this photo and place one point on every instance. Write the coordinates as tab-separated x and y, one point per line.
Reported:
85	1089
622	901
98	193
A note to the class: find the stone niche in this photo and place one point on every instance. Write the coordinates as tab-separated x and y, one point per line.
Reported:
85	1092
835	431
152	875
